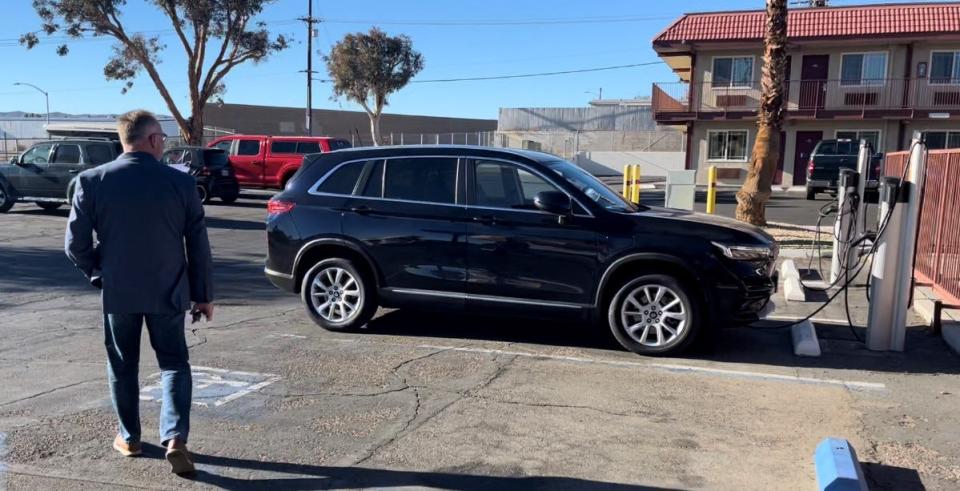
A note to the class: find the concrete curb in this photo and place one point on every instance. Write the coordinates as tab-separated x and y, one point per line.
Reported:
792	288
837	467
805	342
923	304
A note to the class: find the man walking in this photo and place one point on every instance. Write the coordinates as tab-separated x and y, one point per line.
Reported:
151	259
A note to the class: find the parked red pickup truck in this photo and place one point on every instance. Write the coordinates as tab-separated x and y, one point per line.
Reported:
268	161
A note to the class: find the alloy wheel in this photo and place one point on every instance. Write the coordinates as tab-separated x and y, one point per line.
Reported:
336	295
654	315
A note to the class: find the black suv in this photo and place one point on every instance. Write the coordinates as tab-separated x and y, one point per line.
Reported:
210	167
45	173
826	160
508	232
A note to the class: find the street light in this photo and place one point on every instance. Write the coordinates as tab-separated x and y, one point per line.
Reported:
598	94
45	95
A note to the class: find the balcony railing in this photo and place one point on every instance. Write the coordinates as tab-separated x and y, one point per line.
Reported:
808	97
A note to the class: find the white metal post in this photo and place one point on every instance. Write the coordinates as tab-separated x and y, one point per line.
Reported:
842	236
863	167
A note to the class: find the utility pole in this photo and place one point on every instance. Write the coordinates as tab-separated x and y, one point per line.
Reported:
309	20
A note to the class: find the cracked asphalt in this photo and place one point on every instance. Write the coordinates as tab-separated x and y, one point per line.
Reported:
442	401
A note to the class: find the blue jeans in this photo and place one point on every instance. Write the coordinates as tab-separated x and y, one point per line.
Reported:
122	339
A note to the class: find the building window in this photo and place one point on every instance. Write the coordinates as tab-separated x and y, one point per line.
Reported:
863	69
872	136
727	145
945	67
735	72
937	140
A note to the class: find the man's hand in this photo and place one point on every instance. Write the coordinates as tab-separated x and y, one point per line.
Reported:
204	308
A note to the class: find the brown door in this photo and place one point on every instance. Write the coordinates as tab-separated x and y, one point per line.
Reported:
806	140
813	81
778	174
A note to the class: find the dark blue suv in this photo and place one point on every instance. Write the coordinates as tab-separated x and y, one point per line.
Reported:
507	232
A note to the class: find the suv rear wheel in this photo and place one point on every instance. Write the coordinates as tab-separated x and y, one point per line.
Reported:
654	314
6	198
337	296
811	193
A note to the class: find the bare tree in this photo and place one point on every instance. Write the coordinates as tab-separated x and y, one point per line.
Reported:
366	68
755	192
226	27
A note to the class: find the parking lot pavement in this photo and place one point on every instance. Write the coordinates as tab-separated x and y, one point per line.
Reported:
445	401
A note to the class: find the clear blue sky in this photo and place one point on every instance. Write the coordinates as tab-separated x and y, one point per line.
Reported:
76	82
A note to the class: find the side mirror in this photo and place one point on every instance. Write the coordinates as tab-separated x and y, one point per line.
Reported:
553	202
15	161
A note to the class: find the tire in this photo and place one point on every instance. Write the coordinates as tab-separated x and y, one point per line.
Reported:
48	205
811	194
652	333
203	193
6	198
316	290
230	197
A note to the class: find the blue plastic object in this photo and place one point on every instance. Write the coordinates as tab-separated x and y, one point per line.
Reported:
837	466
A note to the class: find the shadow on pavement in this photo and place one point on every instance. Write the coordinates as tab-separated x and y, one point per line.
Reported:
332	477
881	477
412	322
758	345
231	224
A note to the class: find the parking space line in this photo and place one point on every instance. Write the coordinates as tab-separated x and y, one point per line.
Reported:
676	368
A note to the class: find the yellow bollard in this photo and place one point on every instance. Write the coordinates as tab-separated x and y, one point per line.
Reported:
626	182
635	195
712	189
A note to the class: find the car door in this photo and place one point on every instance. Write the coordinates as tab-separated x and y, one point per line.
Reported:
281	152
65	164
409	214
247	159
518	255
33	169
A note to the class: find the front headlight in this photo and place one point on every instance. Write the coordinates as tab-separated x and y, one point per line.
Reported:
745	253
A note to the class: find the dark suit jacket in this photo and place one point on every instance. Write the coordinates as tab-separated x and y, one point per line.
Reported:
152	253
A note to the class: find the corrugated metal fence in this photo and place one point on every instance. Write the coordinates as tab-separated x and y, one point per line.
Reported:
603	118
938	240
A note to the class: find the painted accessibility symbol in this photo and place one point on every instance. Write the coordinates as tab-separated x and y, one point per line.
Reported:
213	384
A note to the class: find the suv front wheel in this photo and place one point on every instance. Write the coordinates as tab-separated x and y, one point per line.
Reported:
654	315
6	198
337	296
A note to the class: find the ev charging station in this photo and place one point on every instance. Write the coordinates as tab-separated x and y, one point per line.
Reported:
891	278
891	275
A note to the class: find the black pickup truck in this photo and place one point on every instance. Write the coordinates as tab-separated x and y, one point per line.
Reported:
45	173
826	160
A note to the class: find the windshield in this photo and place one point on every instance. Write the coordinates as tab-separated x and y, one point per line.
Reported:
591	186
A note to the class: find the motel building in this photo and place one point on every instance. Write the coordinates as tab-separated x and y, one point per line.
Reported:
876	72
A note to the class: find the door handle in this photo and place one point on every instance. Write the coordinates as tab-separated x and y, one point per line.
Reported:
360	210
74	171
485	219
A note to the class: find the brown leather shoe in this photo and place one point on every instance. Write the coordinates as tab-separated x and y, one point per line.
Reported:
179	458
131	449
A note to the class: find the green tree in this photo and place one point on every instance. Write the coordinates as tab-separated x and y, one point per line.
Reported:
366	68
755	192
225	27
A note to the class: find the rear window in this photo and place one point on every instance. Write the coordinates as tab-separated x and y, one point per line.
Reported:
283	147
339	144
432	180
215	158
99	153
248	147
834	147
343	179
308	147
67	154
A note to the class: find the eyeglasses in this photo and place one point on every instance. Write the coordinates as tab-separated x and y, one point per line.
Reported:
163	136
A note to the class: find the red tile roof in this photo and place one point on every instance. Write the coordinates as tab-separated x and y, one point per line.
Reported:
831	22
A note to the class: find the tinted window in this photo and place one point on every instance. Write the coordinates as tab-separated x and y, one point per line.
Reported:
433	180
502	185
343	179
374	186
215	159
248	147
99	153
826	148
283	147
224	145
172	156
339	144
308	147
37	155
66	154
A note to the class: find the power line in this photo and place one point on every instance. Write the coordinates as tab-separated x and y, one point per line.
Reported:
500	23
523	75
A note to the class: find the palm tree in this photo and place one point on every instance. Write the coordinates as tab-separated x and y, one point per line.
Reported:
753	195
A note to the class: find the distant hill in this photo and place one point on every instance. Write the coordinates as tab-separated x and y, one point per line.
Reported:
59	115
